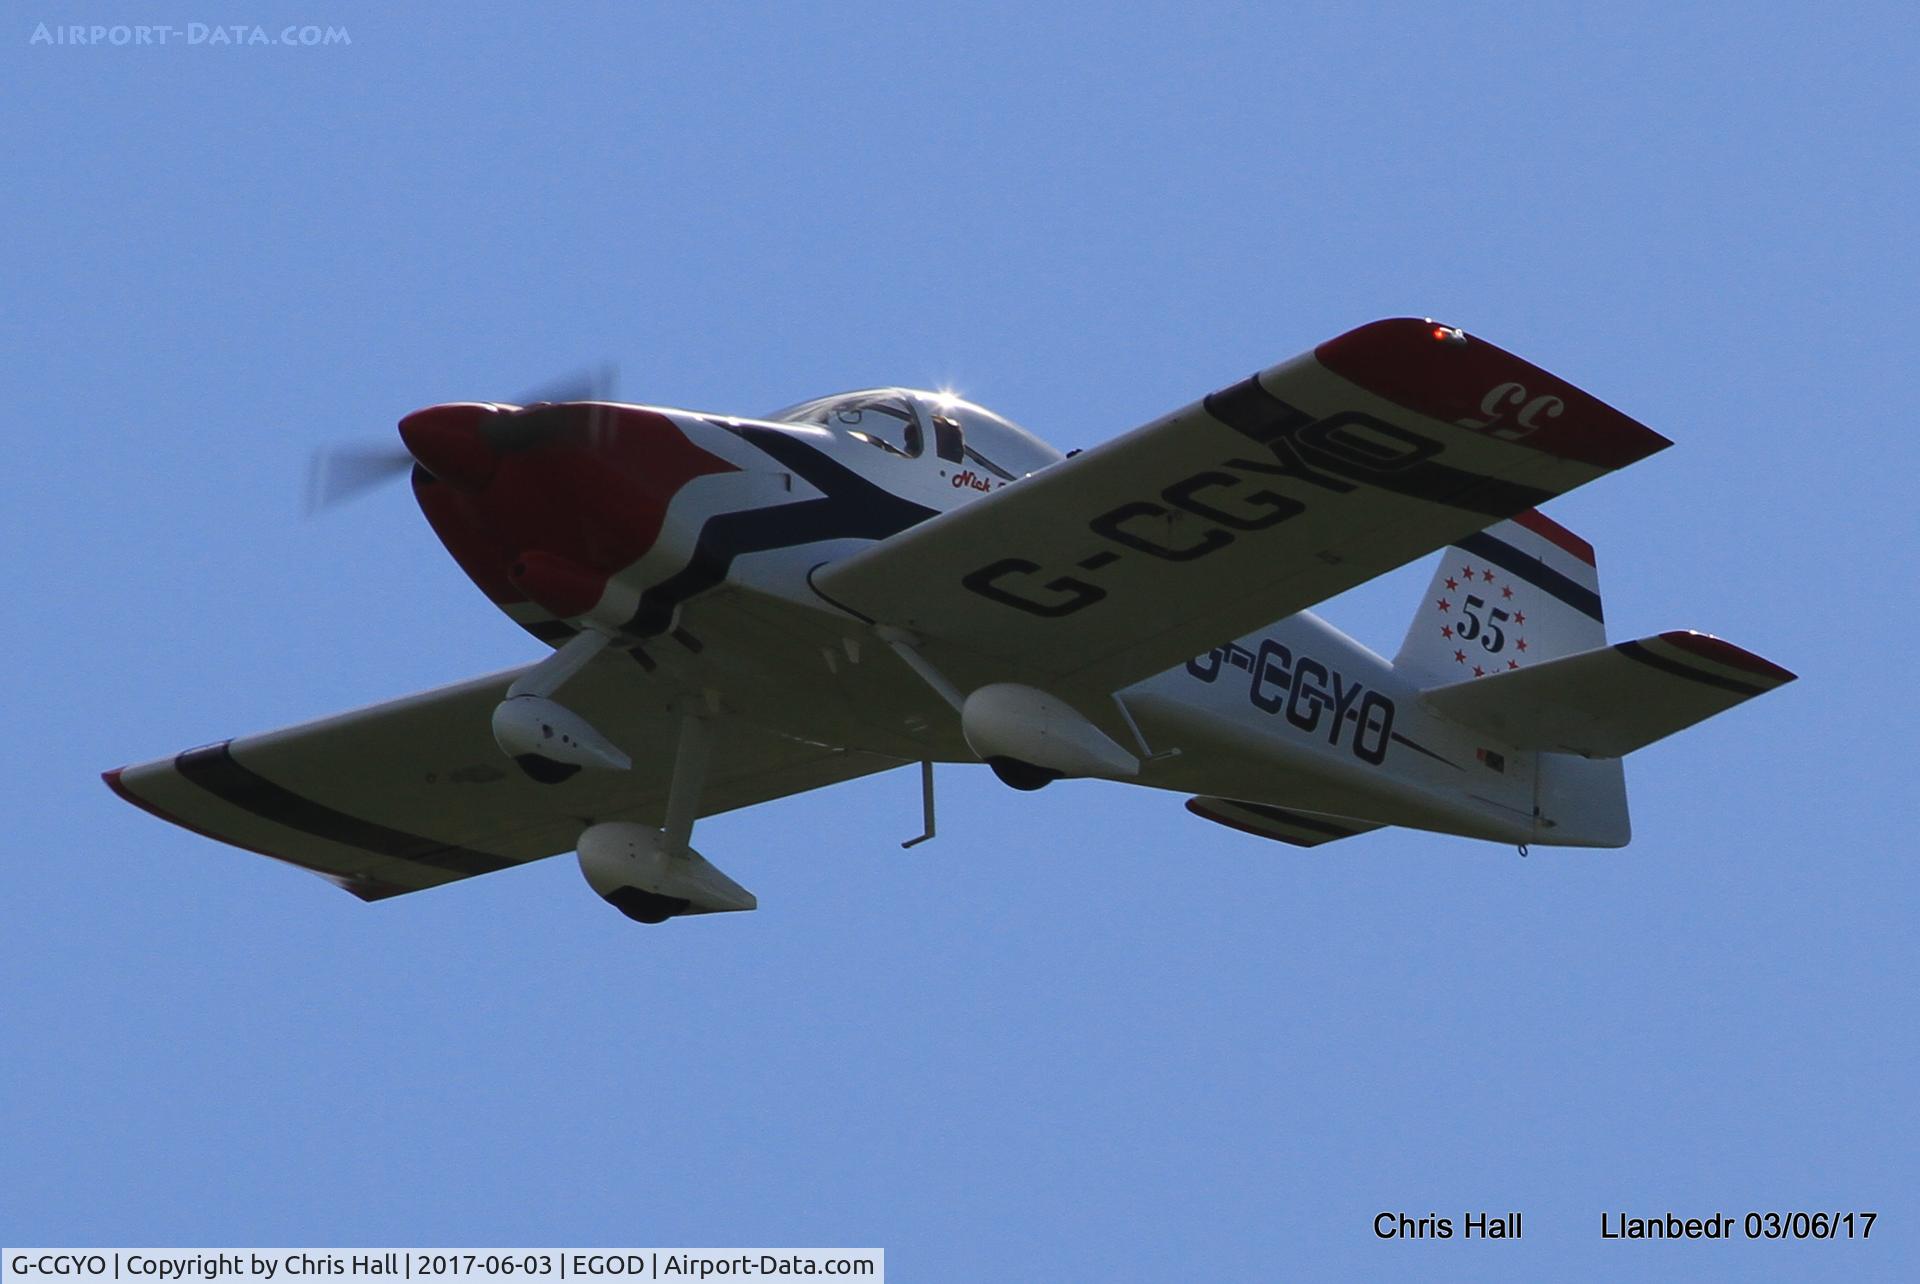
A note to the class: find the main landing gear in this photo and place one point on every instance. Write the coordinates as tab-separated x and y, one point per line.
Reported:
648	874
652	875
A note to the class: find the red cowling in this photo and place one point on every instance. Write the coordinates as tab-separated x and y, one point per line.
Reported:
447	441
559	586
554	518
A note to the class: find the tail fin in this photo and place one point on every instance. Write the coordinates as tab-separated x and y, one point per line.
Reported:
1517	593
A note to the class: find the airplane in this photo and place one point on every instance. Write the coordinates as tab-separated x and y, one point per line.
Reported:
742	609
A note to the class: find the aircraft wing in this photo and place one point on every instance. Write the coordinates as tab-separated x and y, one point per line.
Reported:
1247	506
414	793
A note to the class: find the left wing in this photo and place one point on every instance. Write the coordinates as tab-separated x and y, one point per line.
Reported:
414	792
1245	507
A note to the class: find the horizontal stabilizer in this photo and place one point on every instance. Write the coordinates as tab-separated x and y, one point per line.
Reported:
1608	702
1283	824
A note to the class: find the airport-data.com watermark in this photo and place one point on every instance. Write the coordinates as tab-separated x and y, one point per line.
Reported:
204	35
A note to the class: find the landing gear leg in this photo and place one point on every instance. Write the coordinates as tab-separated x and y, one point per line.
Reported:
690	760
548	741
548	676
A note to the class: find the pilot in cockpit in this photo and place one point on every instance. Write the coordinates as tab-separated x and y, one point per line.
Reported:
902	422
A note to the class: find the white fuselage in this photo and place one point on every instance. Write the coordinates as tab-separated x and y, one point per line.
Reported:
1297	715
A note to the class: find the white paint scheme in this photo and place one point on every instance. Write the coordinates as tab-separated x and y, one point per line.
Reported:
529	724
621	857
1007	720
966	627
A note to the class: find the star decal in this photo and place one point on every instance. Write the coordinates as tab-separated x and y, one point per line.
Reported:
1513	664
1467	571
1506	590
1445	605
1487	576
1519	617
1459	657
1452	583
1521	644
1446	630
1479	672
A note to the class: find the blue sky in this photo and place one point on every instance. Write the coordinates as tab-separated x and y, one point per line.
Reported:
1083	1034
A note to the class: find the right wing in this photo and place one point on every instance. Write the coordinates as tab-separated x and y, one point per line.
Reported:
1607	702
1247	506
414	792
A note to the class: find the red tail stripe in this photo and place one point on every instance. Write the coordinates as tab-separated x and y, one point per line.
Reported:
1556	534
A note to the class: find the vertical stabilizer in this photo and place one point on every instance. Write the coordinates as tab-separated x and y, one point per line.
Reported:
1517	593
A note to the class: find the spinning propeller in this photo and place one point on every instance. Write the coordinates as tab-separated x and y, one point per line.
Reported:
343	472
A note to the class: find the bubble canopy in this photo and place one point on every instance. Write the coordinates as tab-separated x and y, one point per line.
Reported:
912	423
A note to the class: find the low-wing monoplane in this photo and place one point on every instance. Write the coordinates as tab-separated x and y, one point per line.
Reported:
739	609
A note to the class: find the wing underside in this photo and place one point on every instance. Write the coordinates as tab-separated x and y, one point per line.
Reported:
414	793
1245	507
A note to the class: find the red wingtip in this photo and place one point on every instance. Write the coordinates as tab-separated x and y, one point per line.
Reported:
1721	651
127	795
1476	382
119	786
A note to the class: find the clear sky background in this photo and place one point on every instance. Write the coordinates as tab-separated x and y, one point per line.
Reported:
1083	1034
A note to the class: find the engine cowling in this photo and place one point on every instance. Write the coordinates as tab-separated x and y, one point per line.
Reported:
634	870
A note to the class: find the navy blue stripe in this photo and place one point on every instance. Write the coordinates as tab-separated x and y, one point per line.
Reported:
1533	571
214	769
850	507
1634	651
1254	412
